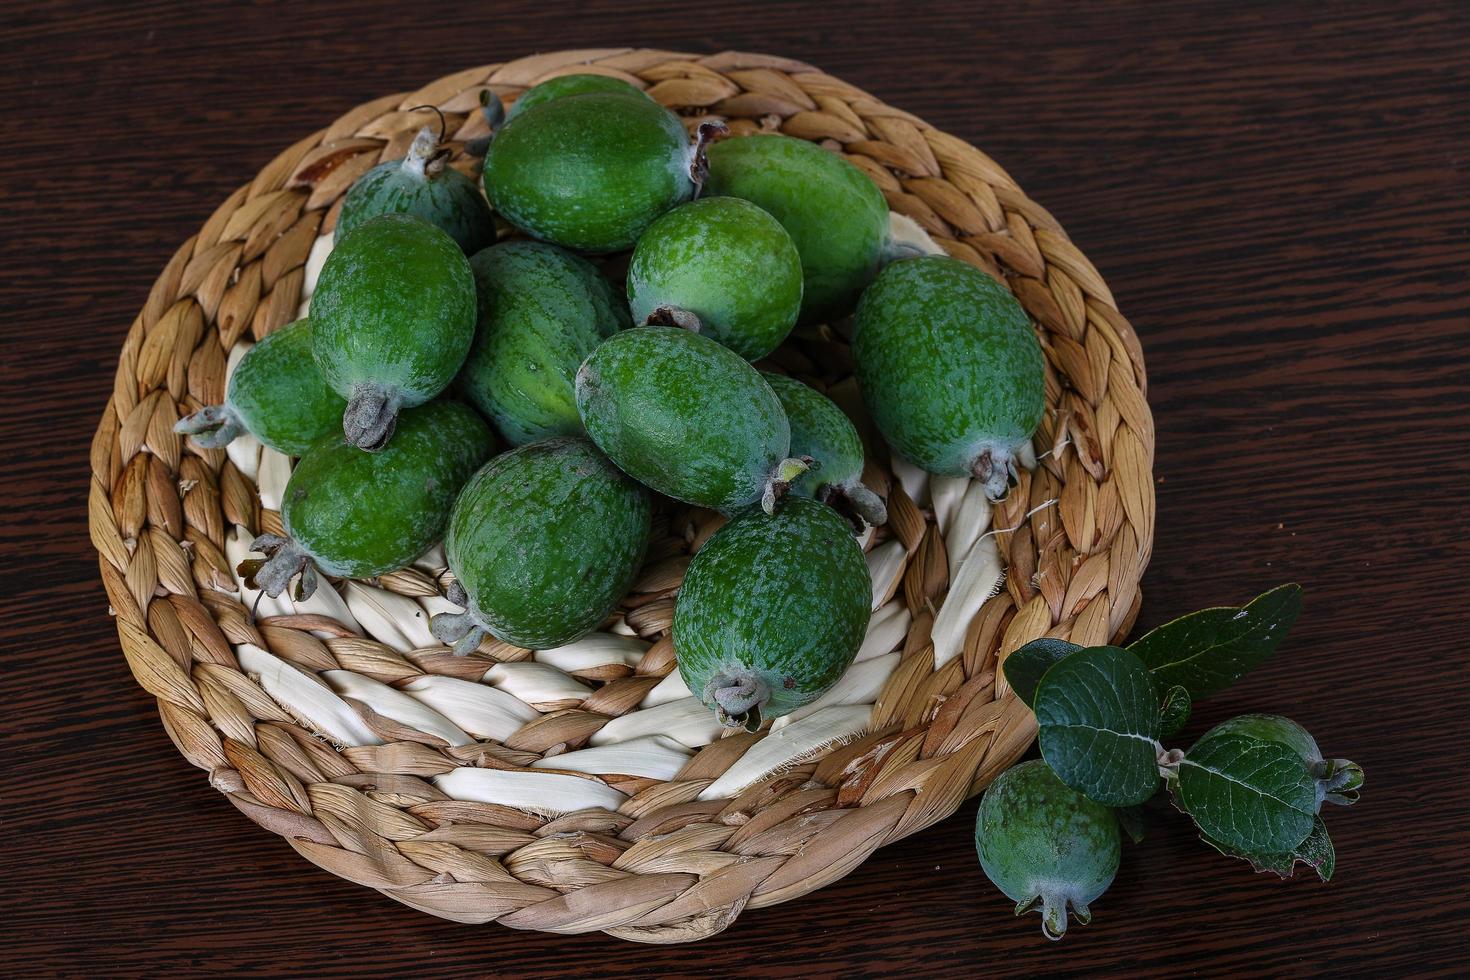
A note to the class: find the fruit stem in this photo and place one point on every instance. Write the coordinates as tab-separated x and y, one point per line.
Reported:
780	481
284	560
212	427
708	133
738	698
673	316
371	416
995	466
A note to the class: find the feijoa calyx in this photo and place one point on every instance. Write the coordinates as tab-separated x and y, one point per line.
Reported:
819	429
950	369
772	611
543	541
276	394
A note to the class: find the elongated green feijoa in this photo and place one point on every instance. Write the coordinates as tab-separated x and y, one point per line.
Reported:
542	311
392	319
355	514
772	611
819	429
950	369
725	263
687	417
1338	780
543	541
276	394
833	211
564	85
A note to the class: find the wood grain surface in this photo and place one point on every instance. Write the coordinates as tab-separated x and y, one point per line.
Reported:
1277	196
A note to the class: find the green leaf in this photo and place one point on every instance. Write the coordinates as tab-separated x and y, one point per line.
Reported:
1207	651
1316	852
1024	667
1130	818
1098	714
1174	712
1253	796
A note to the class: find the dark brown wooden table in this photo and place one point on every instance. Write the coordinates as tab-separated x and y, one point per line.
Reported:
1277	195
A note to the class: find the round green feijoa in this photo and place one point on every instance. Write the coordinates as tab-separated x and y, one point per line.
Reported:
564	85
833	211
1338	780
543	542
354	514
542	311
590	171
950	369
772	611
687	417
819	429
276	394
392	319
722	266
1044	844
421	184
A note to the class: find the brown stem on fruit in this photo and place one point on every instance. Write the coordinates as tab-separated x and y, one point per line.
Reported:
371	416
212	427
707	134
284	560
737	698
780	481
673	316
443	125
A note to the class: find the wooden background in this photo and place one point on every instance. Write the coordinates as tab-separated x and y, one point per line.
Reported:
1277	195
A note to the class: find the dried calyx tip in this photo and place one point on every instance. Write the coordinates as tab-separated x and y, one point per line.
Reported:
212	427
284	560
673	316
780	481
371	416
737	698
996	468
461	630
708	133
862	507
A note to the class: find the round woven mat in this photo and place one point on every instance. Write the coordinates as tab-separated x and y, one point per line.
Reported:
577	789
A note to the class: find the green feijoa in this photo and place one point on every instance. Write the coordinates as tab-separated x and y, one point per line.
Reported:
687	417
1044	844
1338	780
833	211
421	184
564	85
819	429
772	611
542	311
721	266
543	542
276	394
392	319
590	171
354	514
950	369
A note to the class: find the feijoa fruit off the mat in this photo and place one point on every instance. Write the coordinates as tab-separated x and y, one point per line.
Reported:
1043	843
1338	780
950	368
833	211
392	319
356	514
819	429
687	417
543	541
772	610
720	266
421	184
542	311
564	85
276	394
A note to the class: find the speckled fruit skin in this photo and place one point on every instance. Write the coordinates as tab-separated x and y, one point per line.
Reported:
1039	840
786	596
394	306
819	429
833	211
542	311
726	261
948	365
589	171
359	514
564	85
447	199
546	539
683	415
278	394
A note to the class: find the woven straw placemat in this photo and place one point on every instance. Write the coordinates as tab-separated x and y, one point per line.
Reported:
583	788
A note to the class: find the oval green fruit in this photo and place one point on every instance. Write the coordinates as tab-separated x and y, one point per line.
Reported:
1044	844
543	541
772	611
276	394
819	429
564	85
833	211
725	263
355	514
1338	780
392	319
950	369
542	311
687	417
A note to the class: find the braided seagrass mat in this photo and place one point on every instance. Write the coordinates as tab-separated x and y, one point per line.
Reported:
583	788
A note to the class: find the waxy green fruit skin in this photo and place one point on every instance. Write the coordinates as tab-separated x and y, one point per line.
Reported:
784	597
833	212
1039	840
564	85
546	539
360	514
819	429
949	368
589	172
1338	780
727	262
684	416
443	196
542	311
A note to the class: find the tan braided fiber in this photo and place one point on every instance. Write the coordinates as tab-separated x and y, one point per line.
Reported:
667	865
